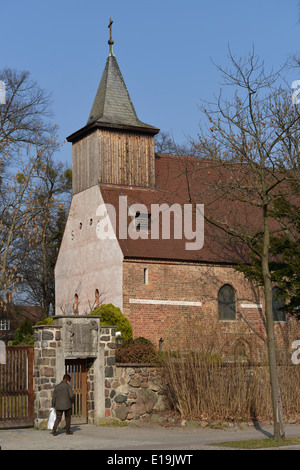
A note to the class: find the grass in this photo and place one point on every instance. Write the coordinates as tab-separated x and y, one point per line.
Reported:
259	443
112	423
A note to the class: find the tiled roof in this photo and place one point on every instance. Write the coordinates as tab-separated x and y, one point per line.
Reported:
178	181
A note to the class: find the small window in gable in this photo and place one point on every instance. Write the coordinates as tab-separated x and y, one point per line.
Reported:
143	221
226	303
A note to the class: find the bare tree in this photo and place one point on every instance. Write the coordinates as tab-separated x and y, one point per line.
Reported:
252	148
24	114
26	137
165	143
50	200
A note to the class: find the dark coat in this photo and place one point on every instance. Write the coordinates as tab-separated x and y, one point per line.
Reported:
63	396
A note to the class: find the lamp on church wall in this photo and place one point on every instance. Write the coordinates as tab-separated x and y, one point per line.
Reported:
119	339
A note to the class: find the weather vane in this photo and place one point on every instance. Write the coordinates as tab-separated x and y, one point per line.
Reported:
110	41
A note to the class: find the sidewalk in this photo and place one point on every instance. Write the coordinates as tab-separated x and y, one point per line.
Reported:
134	438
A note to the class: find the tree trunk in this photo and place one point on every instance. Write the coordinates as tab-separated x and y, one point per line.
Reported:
46	301
274	379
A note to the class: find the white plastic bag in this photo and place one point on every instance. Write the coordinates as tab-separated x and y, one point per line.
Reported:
52	418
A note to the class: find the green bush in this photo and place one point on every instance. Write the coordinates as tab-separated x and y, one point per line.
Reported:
112	316
46	321
24	334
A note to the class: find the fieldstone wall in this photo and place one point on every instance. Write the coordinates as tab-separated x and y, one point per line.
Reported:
131	391
90	392
136	391
47	351
107	343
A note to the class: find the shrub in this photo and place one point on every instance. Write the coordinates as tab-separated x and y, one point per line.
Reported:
142	340
24	334
219	391
137	352
46	321
112	316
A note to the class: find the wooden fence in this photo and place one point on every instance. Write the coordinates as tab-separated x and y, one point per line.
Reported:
16	387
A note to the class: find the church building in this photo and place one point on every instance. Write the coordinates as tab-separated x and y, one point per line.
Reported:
133	239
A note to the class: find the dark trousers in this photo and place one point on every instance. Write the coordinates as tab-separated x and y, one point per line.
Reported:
59	414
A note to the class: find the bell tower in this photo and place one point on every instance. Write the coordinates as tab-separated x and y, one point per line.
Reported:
114	147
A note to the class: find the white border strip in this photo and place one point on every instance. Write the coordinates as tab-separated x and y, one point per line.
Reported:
251	305
165	302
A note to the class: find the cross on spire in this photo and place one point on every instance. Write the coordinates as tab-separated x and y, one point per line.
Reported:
110	41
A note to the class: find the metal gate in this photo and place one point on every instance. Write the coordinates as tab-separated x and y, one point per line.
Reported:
16	387
76	368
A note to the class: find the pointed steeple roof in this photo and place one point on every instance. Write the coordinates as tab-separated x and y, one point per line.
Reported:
112	106
112	103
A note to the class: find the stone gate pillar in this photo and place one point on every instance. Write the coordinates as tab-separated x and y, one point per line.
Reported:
47	359
71	337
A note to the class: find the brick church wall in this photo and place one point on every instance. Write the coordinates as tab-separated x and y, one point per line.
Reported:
181	325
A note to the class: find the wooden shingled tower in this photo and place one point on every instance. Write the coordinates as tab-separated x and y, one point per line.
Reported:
114	147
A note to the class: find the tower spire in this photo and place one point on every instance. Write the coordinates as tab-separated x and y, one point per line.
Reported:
110	41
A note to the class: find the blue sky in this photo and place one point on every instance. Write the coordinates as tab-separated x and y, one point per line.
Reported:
164	49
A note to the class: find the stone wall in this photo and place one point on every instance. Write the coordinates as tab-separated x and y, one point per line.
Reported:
131	392
90	392
107	342
136	391
47	350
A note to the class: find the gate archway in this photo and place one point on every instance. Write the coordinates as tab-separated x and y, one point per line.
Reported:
77	369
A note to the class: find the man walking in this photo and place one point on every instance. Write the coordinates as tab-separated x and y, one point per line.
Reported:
62	399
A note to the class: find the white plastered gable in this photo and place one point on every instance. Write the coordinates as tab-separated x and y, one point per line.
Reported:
85	262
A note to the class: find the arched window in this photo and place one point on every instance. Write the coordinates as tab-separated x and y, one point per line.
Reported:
226	303
277	306
241	350
96	298
75	305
